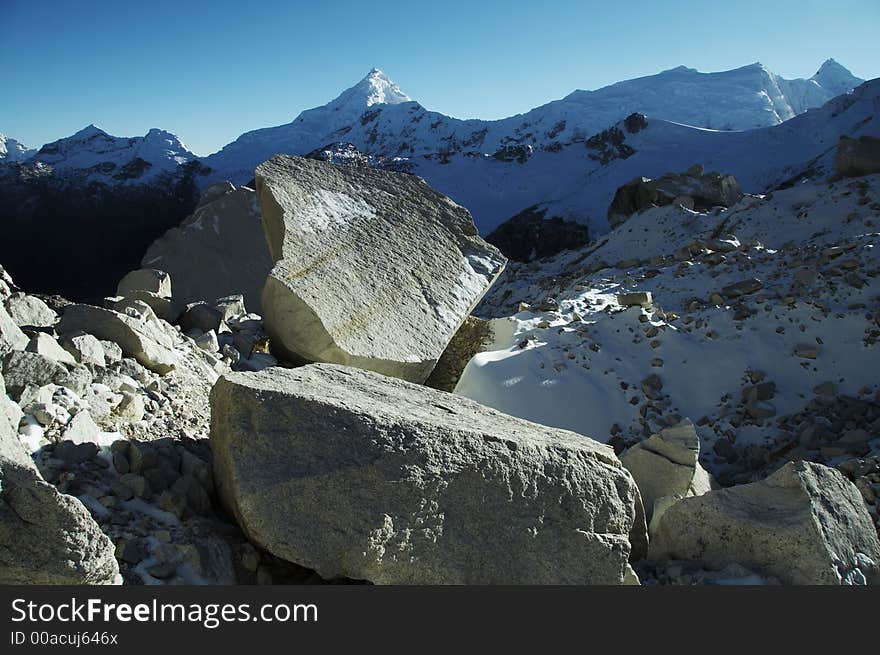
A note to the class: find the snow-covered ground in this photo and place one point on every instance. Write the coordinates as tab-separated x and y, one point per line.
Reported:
604	370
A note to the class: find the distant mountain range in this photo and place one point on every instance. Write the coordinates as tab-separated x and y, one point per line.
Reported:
564	159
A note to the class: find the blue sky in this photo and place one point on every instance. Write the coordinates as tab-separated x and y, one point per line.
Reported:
209	71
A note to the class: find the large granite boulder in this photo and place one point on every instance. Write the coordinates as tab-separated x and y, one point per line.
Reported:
666	467
805	524
358	475
45	537
857	157
218	251
373	269
693	189
137	331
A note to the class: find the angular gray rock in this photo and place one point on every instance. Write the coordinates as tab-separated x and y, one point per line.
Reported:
805	524
11	336
217	251
46	345
373	269
359	475
666	467
45	537
139	335
21	369
85	349
704	191
146	279
30	311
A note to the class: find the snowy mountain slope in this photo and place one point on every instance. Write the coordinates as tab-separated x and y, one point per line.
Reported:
760	159
498	168
92	155
93	202
589	365
12	150
739	99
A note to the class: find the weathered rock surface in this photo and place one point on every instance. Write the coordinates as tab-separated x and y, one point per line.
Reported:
666	467
145	279
359	475
805	524
21	369
30	311
373	269
471	338
139	335
45	537
85	349
857	157
46	345
703	191
11	336
217	251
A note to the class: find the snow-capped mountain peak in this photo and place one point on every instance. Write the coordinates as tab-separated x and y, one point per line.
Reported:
88	132
98	156
374	89
835	78
12	150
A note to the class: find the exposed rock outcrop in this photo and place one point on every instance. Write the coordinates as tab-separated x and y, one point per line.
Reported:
529	235
359	475
373	269
805	524
698	190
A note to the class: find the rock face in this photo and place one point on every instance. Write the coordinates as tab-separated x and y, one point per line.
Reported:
138	333
30	311
359	475
530	235
473	335
373	269
666	468
805	524
857	157
693	188
218	250
11	336
45	537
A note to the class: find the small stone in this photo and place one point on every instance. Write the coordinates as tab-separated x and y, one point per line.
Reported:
635	299
806	351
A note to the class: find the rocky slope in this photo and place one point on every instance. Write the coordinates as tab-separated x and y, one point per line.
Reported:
758	322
